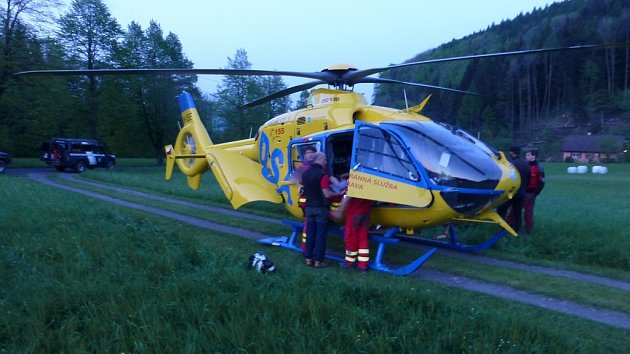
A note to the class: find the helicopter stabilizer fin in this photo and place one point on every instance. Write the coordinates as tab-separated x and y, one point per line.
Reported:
170	161
419	107
194	182
499	220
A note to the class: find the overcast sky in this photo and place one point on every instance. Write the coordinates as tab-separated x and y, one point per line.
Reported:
311	35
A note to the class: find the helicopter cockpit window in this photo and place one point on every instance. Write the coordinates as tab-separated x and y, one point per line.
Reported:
379	151
450	158
464	134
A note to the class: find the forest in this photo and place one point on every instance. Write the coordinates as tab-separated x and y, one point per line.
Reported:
531	99
534	99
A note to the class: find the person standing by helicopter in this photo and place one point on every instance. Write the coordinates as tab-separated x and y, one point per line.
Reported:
534	187
356	231
317	191
513	208
307	161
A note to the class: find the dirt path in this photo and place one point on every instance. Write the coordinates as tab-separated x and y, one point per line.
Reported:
609	317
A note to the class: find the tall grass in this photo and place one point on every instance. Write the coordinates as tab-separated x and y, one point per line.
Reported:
79	275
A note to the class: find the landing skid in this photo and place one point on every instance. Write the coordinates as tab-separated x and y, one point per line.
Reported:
453	242
377	264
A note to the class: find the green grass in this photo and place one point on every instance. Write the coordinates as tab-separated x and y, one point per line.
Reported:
596	295
584	218
151	179
581	220
107	279
527	249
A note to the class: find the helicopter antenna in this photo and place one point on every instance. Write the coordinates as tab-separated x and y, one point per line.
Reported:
406	103
250	131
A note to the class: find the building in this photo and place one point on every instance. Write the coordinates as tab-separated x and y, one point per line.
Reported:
592	148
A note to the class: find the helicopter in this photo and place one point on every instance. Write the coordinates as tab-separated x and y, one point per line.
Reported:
421	173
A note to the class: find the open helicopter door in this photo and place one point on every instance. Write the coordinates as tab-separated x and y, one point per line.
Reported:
382	169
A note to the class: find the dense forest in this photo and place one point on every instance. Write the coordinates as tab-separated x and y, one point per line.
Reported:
134	115
533	98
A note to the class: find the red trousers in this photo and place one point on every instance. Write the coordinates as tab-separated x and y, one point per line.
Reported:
356	240
528	206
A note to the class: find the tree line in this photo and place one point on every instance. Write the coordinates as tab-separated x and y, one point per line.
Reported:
134	115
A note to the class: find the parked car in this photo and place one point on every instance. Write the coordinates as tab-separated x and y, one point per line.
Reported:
77	154
5	159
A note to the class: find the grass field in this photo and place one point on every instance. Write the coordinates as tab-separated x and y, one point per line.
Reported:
79	275
581	219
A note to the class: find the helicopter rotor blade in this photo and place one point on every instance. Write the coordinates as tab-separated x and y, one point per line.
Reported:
170	71
282	93
340	78
354	76
376	80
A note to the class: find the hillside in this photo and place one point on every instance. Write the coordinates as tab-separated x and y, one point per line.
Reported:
542	97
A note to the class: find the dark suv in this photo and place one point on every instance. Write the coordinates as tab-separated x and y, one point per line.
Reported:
77	154
5	159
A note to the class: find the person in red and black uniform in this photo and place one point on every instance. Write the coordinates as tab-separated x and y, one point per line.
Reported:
317	190
356	231
307	161
533	188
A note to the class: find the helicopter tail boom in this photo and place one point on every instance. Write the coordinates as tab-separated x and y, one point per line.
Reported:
191	145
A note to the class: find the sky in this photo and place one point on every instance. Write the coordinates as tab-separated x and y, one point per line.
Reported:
311	35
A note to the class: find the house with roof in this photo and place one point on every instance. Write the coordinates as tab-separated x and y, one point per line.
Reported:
592	148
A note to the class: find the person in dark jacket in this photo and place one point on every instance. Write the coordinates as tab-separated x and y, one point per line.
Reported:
317	191
307	161
535	185
513	208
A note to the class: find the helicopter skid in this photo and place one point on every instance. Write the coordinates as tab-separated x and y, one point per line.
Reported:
452	242
377	264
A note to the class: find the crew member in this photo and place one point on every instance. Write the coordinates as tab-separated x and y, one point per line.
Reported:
534	186
356	231
307	161
513	208
317	190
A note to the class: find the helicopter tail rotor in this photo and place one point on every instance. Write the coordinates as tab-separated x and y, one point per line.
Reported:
189	148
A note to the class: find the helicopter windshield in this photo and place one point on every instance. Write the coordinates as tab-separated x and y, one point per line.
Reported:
451	157
464	134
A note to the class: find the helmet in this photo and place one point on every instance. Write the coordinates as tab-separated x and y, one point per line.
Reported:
261	263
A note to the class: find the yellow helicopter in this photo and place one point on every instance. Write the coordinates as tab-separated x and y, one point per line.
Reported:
422	173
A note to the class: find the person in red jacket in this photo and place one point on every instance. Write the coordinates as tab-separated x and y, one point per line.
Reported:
356	231
533	188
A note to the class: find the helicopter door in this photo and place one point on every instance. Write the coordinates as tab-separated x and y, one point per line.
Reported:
382	169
